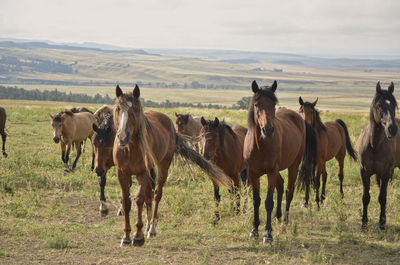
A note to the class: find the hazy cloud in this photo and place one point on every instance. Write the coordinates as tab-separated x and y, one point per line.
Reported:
289	26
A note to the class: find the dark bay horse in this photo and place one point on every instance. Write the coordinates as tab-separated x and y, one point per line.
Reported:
103	112
379	149
3	118
333	141
276	141
145	140
224	146
102	144
72	128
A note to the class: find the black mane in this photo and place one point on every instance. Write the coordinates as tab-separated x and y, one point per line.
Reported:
317	120
222	127
57	117
106	130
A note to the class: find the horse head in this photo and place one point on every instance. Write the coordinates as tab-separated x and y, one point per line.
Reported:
182	122
102	142
383	110
57	122
210	138
262	108
308	111
127	114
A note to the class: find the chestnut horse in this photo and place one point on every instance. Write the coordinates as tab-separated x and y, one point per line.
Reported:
2	129
189	127
145	140
276	141
379	149
72	128
102	144
223	145
333	141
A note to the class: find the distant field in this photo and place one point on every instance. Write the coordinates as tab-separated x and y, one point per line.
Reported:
47	217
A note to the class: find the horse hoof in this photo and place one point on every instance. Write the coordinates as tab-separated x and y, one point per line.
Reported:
382	227
364	228
216	219
254	233
125	242
104	212
120	212
5	154
286	218
267	238
151	234
305	205
138	242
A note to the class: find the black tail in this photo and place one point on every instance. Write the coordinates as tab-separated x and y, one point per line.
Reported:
215	173
349	148
307	170
243	177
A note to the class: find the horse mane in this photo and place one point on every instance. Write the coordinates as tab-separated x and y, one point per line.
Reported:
263	92
142	133
318	123
106	129
383	94
222	127
57	117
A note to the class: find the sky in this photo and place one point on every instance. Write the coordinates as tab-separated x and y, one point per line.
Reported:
292	26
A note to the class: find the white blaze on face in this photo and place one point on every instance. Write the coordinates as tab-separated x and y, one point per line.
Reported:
122	134
387	102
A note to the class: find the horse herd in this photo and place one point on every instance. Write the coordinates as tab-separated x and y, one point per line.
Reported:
136	142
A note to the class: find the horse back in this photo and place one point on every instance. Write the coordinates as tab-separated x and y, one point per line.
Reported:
331	141
80	126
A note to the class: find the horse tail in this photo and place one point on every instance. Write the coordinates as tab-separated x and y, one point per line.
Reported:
215	173
307	170
349	148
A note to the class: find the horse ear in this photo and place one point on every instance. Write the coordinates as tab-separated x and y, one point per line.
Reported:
378	87
176	114
136	91
51	116
391	88
315	102
301	102
203	121
95	128
216	122
274	86
254	86
118	91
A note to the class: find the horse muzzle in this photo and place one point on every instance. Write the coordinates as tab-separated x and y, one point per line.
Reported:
56	139
267	131
391	131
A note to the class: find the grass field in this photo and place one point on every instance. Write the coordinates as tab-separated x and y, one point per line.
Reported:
47	217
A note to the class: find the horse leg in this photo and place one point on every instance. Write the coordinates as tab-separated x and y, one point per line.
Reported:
340	160
292	175
317	181
279	189
382	201
126	204
217	199
143	195
4	136
366	181
324	179
255	182
66	158
78	154
162	177
103	206
63	151
269	203
307	196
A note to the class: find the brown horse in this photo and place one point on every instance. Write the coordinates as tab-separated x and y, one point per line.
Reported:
189	127
145	140
379	149
276	141
224	146
102	144
333	141
72	128
3	118
102	113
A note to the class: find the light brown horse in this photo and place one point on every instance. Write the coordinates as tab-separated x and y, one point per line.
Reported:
223	145
189	127
274	142
102	113
145	140
379	149
333	141
3	118
72	128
